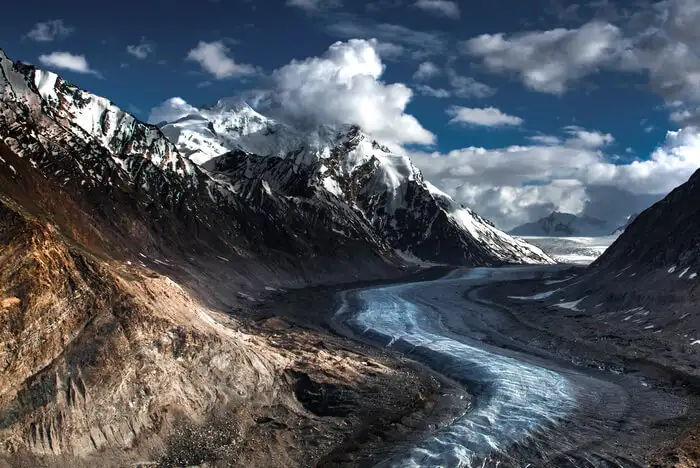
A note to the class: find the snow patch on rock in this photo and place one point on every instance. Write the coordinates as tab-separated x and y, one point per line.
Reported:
571	305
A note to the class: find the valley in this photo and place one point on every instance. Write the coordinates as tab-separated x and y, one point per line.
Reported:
544	395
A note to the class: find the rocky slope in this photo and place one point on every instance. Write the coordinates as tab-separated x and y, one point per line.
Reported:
341	166
564	225
109	363
634	311
118	185
629	221
663	241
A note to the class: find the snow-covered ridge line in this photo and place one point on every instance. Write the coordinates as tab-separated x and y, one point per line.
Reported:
337	168
95	116
95	119
348	164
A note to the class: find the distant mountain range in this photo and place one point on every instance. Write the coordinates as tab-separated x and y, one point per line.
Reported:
565	225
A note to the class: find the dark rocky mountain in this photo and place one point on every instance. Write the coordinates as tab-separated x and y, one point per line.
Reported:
665	236
646	286
341	165
121	186
564	225
117	256
384	190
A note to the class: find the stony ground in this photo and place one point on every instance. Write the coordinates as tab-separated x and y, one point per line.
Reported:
111	363
599	340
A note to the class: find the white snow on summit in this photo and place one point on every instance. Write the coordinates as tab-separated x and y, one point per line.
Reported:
95	117
340	157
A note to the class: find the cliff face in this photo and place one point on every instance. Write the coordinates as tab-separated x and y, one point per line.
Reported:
94	353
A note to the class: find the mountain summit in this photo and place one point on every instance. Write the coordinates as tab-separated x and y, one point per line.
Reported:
342	164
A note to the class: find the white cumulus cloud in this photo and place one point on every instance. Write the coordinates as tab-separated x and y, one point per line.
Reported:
390	51
587	138
344	86
486	117
420	44
426	70
660	39
548	61
468	87
517	184
440	93
214	58
67	61
171	110
141	50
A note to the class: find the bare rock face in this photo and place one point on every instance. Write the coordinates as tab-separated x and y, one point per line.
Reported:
119	185
384	193
343	169
89	357
665	235
110	363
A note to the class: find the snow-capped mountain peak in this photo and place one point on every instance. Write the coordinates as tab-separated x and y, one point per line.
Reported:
90	116
343	162
270	182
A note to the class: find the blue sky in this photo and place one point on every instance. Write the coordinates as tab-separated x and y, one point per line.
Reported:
579	77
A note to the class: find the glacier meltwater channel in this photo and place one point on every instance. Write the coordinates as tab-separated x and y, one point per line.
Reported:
515	399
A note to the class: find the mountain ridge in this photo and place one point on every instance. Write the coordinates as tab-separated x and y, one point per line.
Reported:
564	225
385	188
630	220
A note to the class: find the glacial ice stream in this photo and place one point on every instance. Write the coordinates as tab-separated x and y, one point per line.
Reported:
522	404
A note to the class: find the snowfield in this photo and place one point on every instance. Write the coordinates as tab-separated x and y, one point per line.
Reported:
577	250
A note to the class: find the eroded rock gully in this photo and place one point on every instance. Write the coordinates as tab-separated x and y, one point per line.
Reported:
109	361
